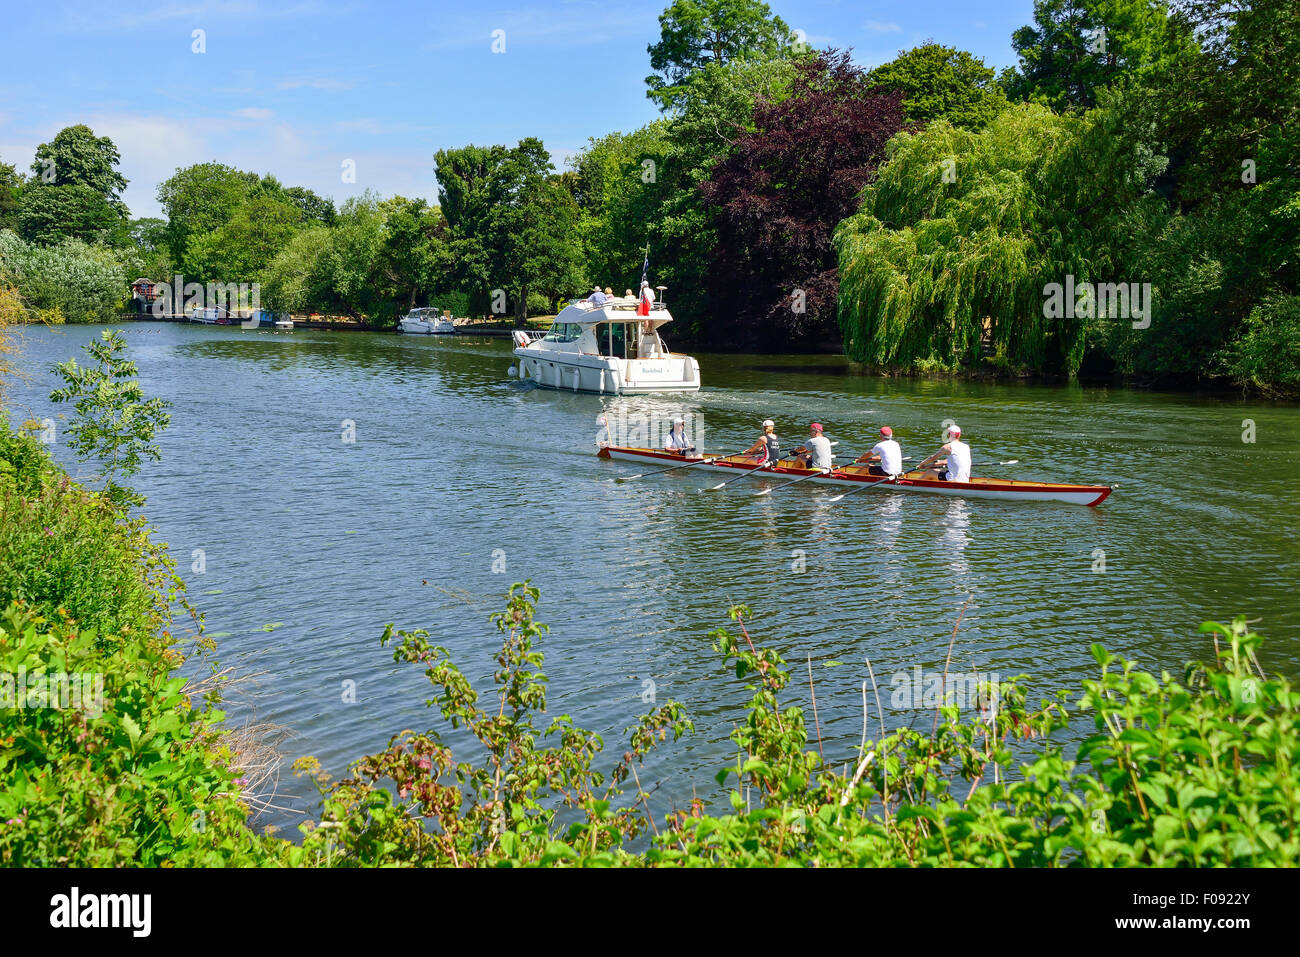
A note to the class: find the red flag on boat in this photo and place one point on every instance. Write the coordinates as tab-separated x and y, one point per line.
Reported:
647	298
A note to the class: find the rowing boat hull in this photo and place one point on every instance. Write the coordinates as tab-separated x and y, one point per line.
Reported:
852	476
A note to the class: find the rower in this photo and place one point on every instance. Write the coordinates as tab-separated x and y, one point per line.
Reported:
956	467
676	441
767	450
886	456
816	451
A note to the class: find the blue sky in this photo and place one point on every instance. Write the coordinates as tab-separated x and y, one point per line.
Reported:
297	88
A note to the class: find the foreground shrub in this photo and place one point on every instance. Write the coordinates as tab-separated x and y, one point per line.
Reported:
1192	772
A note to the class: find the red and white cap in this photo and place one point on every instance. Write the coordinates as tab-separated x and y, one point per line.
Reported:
886	430
815	427
954	429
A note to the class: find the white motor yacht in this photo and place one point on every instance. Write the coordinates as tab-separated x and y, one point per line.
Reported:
608	349
427	321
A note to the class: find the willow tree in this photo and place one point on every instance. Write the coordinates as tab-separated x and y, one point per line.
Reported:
960	233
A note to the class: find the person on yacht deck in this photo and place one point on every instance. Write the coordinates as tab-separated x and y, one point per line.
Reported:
676	440
597	298
647	299
767	450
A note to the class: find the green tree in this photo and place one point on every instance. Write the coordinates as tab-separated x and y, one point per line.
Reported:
512	223
961	232
240	249
1077	47
298	279
696	33
414	255
943	83
75	189
11	187
114	422
200	199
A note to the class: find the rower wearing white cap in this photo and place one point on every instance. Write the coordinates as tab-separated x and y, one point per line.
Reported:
767	450
956	468
677	440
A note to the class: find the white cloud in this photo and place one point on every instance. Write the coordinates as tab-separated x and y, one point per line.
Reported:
254	113
313	83
876	26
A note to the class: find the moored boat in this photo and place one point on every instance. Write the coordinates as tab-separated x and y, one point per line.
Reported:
428	321
854	476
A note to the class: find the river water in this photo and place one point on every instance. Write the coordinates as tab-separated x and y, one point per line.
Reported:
460	481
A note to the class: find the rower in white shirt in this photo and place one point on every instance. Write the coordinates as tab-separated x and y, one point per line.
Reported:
886	456
816	449
676	441
956	467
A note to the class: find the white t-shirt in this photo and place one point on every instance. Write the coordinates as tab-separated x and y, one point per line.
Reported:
958	461
820	447
891	456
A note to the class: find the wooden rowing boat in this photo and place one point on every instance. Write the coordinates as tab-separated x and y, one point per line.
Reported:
855	475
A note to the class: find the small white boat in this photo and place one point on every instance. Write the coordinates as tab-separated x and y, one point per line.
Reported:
428	321
608	349
283	322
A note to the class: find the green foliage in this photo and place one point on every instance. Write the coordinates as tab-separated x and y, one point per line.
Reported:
198	200
129	778
1198	772
963	230
505	809
75	190
1267	353
943	83
114	422
11	187
1076	48
242	247
694	34
511	224
82	283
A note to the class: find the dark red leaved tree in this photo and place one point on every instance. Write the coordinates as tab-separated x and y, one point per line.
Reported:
778	198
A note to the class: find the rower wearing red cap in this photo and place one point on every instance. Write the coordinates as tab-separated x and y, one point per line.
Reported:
816	450
886	456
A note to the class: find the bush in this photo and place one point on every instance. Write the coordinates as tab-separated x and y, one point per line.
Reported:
132	772
1198	772
1267	354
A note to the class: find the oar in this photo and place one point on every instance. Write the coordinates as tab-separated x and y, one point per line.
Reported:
884	481
762	468
704	461
973	465
801	478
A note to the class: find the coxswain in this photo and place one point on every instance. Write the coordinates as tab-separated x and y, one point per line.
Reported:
676	441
